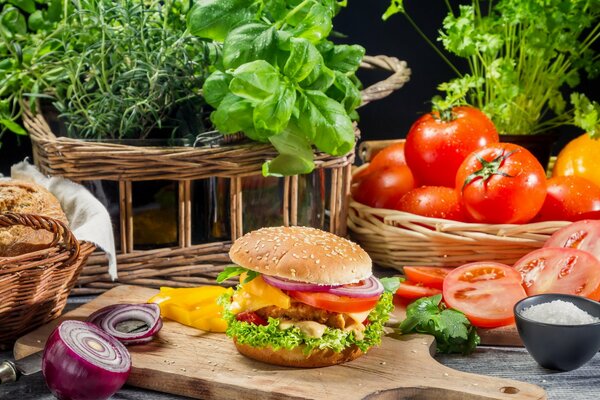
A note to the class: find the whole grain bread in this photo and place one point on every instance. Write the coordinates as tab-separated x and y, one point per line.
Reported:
30	198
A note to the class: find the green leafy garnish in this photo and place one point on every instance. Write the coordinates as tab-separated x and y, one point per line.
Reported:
280	80
451	328
235	270
334	339
390	285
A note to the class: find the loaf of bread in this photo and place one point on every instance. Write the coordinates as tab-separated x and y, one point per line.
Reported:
28	198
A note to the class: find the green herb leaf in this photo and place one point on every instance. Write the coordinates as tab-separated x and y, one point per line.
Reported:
255	81
587	114
303	59
26	5
391	284
344	58
249	42
272	115
213	19
295	154
312	21
395	7
235	270
451	328
235	115
12	126
12	21
320	78
216	87
345	92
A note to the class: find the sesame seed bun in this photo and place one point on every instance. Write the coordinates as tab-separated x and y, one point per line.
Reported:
296	357
302	254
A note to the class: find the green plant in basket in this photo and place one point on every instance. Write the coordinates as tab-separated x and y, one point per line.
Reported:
523	58
280	80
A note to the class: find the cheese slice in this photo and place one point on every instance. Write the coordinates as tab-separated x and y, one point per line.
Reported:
359	317
257	294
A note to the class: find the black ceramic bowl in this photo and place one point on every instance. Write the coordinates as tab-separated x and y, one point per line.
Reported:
559	347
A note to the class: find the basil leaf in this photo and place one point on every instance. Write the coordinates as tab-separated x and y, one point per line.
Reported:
249	42
12	126
303	59
320	78
273	114
295	154
235	270
233	115
255	81
344	58
216	88
213	19
26	5
12	21
391	284
326	122
345	92
312	22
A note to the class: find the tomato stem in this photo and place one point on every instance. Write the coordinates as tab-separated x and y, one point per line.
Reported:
489	169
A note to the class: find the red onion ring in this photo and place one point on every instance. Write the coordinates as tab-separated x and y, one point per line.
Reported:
108	318
370	287
81	362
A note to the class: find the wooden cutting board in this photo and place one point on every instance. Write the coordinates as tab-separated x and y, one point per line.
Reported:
192	363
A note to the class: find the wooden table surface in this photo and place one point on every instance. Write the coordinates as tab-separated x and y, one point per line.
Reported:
513	363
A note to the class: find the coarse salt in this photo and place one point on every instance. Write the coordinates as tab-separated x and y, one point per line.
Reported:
559	312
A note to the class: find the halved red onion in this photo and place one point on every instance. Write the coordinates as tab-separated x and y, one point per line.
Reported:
108	318
285	284
370	287
81	362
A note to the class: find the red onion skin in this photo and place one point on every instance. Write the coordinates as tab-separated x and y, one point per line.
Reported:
339	290
70	377
98	318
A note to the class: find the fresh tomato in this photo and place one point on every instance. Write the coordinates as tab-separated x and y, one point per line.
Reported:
383	188
560	270
429	276
579	157
334	303
436	146
389	157
251	317
485	292
415	290
569	198
502	183
433	201
581	235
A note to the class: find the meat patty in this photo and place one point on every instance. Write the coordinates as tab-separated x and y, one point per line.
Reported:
303	312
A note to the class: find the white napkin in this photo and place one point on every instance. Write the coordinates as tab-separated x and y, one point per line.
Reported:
88	219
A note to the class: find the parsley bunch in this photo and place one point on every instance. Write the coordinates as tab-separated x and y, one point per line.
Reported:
452	330
522	55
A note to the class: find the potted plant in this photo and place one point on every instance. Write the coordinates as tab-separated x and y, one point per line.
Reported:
524	57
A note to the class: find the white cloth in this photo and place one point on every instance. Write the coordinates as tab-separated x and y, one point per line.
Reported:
88	219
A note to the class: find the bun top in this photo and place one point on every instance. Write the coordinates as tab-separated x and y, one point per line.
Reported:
302	254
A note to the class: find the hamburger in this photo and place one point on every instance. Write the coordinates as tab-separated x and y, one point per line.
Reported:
306	298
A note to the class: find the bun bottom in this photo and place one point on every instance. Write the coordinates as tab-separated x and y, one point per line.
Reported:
297	358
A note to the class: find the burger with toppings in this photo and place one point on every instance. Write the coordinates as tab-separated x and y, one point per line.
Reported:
306	298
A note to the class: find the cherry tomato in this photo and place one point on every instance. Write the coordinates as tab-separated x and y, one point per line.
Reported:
560	270
485	292
579	157
428	276
582	235
569	198
433	201
435	147
251	317
383	188
502	183
415	290
334	303
389	157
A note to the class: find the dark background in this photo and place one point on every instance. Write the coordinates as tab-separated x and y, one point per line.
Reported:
392	116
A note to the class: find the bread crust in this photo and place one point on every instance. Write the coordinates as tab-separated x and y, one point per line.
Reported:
296	357
27	198
302	254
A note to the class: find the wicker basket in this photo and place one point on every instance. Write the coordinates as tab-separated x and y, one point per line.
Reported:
188	263
34	286
395	238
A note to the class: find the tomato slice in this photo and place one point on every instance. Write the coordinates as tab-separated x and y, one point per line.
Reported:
428	276
251	317
582	235
334	303
485	292
560	270
415	290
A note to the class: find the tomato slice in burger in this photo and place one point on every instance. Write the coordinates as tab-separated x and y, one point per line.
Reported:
485	292
334	303
560	270
428	276
415	290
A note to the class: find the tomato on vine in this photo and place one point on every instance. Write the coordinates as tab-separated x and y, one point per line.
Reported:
438	142
502	183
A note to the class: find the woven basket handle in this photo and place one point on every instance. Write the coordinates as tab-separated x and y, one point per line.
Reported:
40	222
379	90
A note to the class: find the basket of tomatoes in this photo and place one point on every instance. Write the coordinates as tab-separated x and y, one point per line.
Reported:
453	193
